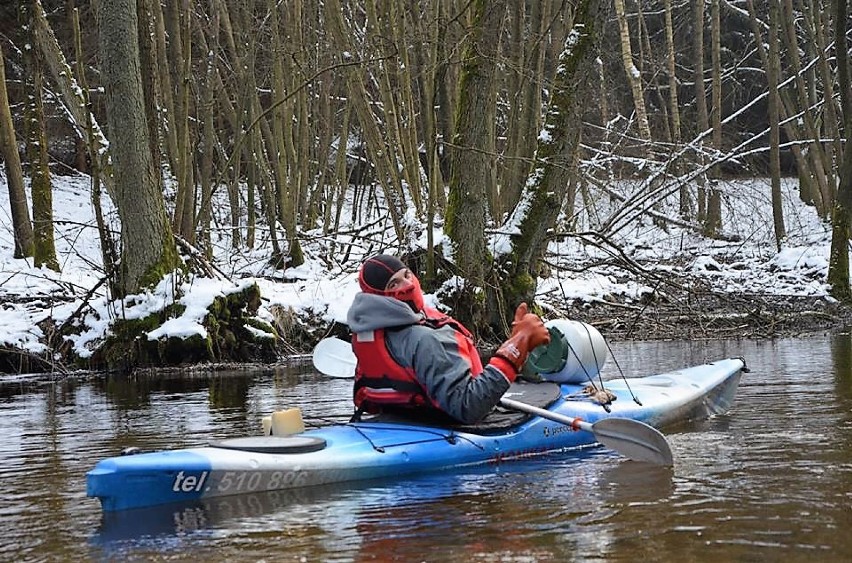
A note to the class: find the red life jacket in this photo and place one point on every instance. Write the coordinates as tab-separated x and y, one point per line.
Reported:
381	382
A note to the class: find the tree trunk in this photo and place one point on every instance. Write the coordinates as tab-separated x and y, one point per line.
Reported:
684	199
472	154
167	116
634	77
808	195
545	190
713	217
108	253
21	226
178	26
772	73
44	251
148	247
838	266
525	116
69	90
820	167
377	146
281	144
700	98
150	80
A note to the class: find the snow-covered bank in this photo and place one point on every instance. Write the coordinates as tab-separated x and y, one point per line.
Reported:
586	272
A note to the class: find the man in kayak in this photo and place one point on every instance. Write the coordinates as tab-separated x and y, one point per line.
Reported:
414	357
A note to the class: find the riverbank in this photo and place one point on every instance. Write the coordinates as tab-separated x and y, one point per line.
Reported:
712	316
645	282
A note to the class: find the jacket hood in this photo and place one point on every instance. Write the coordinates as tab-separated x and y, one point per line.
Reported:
372	312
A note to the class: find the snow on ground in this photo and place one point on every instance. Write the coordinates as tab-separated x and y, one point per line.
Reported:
325	285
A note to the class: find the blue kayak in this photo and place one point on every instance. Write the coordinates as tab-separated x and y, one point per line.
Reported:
387	446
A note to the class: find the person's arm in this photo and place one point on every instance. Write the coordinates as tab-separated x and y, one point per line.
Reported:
435	358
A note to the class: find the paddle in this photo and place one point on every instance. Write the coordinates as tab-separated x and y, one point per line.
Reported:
632	439
334	357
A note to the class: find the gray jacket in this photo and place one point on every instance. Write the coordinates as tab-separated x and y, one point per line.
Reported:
434	356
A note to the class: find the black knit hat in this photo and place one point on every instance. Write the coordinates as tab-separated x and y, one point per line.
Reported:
377	271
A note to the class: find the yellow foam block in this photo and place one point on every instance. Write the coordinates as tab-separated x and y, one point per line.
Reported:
287	422
267	425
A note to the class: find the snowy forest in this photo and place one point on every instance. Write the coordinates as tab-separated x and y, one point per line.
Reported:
329	130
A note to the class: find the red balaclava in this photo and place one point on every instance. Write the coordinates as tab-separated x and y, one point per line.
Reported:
378	270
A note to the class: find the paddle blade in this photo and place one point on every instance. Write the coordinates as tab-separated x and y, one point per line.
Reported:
633	439
334	357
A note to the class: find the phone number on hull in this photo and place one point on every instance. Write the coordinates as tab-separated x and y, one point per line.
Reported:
234	482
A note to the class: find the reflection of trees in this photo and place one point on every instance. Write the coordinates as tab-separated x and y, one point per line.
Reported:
841	362
230	391
40	474
131	392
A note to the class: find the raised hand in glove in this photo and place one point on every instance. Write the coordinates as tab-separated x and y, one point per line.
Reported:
528	332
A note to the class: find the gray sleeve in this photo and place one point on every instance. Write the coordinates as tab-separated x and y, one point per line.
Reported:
434	355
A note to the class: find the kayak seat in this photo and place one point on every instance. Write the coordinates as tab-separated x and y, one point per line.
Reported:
272	444
499	420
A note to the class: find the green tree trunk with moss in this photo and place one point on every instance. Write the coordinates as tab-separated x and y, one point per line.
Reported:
838	260
472	172
44	249
21	226
148	246
548	183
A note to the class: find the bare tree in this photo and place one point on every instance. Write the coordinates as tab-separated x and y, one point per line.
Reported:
527	54
772	72
72	97
838	267
713	216
534	217
473	151
684	200
634	78
378	145
44	252
702	118
108	252
148	247
21	226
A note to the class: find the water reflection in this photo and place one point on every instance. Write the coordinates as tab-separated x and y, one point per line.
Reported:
453	514
768	481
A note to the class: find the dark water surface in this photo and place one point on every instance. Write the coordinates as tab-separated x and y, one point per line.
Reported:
769	481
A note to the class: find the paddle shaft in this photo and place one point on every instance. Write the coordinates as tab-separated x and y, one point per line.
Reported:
577	423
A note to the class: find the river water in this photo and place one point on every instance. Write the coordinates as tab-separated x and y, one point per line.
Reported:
769	481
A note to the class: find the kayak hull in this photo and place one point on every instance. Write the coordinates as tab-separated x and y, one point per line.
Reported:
371	450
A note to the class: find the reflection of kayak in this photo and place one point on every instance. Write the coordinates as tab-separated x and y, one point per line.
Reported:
336	506
385	447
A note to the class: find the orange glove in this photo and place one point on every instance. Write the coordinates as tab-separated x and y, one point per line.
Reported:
528	332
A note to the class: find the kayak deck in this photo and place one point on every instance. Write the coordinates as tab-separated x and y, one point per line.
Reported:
376	449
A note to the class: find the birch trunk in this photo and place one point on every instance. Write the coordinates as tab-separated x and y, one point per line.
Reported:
634	77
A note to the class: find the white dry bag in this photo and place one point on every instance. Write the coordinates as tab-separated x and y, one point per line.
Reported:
576	353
